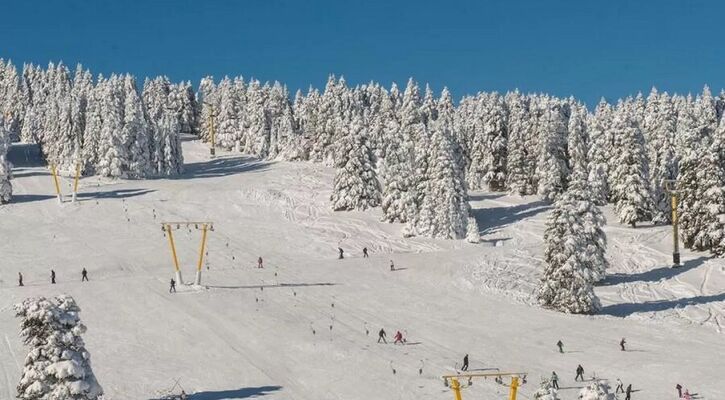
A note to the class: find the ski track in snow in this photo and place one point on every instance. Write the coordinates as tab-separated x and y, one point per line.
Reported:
254	327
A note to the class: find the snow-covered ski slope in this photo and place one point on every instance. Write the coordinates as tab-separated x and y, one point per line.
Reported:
250	334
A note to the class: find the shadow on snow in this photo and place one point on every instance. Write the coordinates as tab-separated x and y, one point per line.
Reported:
653	275
279	285
626	309
493	218
219	167
244	393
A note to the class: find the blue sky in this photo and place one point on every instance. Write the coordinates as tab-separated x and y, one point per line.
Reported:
587	49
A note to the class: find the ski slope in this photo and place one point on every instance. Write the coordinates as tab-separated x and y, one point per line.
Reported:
305	326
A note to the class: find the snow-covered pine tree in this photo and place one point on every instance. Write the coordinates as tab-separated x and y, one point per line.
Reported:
600	151
228	115
6	188
282	133
578	140
597	390
135	131
488	147
444	211
630	177
12	103
80	95
521	157
659	132
93	126
398	198
58	365
172	160
356	185
208	102
551	169
575	251
113	155
256	121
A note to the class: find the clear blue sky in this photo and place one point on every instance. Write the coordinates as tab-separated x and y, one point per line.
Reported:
585	48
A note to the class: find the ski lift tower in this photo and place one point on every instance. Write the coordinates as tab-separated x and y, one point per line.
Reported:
671	188
456	387
169	227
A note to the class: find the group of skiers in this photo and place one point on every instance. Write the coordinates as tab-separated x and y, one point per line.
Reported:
84	277
341	255
398	338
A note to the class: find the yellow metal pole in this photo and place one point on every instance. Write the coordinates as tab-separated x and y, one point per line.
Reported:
456	387
173	254
201	254
514	387
675	232
55	181
75	182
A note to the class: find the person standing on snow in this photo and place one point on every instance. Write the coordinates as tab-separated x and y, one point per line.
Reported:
392	265
628	392
622	343
52	277
381	336
554	380
579	373
465	363
560	345
679	391
84	275
342	253
620	386
20	279
260	262
172	286
398	338
365	252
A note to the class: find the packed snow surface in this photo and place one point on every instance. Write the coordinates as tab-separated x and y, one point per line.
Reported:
305	326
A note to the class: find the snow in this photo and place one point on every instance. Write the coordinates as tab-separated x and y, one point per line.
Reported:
249	333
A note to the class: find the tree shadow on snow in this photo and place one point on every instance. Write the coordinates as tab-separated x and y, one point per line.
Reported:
29	198
654	275
486	196
114	194
496	217
219	167
279	285
243	393
25	155
626	309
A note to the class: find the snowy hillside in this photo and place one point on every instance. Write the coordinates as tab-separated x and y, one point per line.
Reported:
305	326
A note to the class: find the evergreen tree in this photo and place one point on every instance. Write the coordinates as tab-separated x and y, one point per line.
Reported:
659	132
58	365
229	116
113	156
6	187
597	390
135	131
521	157
575	251
600	151
630	178
398	198
356	185
552	169
444	210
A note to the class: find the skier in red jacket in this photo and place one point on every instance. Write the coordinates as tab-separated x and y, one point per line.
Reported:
398	338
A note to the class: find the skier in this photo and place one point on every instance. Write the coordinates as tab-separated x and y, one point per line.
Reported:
84	275
20	279
554	380
622	343
560	345
381	336
398	338
365	252
579	373
465	363
620	386
172	286
183	395
687	395
260	263
679	391
628	393
52	277
392	266
341	256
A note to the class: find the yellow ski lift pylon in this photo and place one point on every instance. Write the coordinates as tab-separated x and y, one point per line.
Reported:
455	384
169	227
